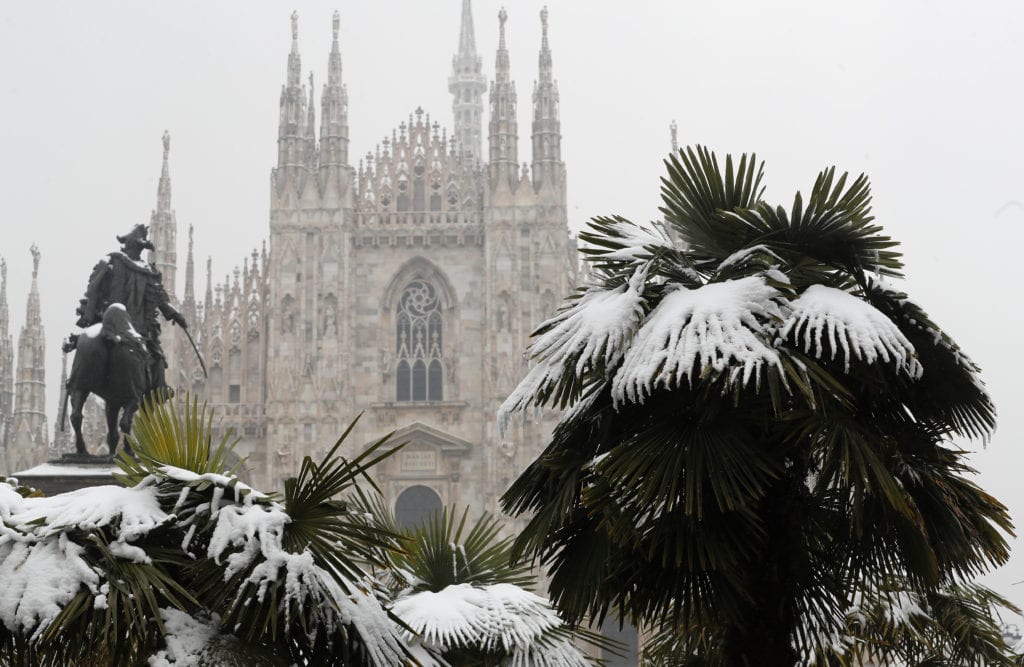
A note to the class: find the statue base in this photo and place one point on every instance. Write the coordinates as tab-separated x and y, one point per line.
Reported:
69	473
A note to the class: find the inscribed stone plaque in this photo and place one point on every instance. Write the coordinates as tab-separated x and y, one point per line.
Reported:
419	460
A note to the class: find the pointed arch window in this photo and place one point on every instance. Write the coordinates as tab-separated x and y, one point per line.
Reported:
419	374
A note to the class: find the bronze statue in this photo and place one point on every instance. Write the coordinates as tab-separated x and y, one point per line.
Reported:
118	356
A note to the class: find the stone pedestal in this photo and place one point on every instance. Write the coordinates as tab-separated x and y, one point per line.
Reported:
69	474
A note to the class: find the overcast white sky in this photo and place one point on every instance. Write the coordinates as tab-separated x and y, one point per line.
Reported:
926	97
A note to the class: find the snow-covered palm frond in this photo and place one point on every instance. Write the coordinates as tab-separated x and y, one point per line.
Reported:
592	333
499	618
614	239
827	319
94	571
719	328
650	502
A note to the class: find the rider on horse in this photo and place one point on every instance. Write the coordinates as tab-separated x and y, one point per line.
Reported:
123	277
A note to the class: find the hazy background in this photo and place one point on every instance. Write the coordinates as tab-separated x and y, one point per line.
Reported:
926	97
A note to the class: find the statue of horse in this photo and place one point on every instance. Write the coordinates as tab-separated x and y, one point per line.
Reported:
111	361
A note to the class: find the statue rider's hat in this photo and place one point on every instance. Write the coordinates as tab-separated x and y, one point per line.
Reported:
138	236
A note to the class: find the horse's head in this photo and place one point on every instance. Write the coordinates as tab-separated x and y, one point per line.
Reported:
117	327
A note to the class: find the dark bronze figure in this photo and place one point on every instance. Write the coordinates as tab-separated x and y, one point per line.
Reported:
118	356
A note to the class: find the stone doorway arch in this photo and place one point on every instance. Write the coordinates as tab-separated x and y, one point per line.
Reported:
415	505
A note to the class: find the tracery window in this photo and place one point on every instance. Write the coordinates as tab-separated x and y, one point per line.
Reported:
419	373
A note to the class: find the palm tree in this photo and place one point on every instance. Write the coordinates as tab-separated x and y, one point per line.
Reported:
757	460
185	564
463	600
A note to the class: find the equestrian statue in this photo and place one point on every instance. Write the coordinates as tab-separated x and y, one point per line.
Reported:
118	355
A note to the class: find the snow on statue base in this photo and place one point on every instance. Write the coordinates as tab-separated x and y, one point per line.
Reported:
69	473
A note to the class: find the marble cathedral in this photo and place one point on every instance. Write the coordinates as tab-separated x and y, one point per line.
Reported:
402	286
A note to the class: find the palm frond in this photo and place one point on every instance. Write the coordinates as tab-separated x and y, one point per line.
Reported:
695	194
169	433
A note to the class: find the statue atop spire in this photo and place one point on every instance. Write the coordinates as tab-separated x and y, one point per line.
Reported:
502	17
336	23
673	128
295	28
167	144
548	170
35	260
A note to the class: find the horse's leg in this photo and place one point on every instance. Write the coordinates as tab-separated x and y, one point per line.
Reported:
113	435
77	398
126	424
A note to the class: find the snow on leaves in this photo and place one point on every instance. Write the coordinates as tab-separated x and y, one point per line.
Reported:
39	578
593	332
720	327
825	314
498	617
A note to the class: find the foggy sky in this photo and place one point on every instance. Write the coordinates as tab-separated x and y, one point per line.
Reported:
925	97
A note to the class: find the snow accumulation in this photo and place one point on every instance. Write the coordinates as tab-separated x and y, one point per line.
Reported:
42	569
93	331
714	326
495	617
187	640
852	325
136	510
68	470
635	241
741	256
39	578
597	327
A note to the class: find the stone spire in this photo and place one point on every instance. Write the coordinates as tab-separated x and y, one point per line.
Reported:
291	139
311	156
503	131
674	129
546	135
6	362
208	299
29	441
63	441
467	84
163	228
189	302
334	108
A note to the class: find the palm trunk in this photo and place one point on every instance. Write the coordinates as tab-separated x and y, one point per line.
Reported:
763	637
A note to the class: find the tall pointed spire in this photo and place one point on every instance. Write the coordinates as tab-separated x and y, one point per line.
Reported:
163	192
503	133
311	156
29	441
546	135
208	299
294	60
291	140
63	441
467	84
163	228
190	275
334	108
6	363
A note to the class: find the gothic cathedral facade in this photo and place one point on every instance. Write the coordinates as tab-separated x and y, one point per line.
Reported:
401	286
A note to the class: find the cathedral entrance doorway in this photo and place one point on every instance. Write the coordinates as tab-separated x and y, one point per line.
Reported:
415	505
